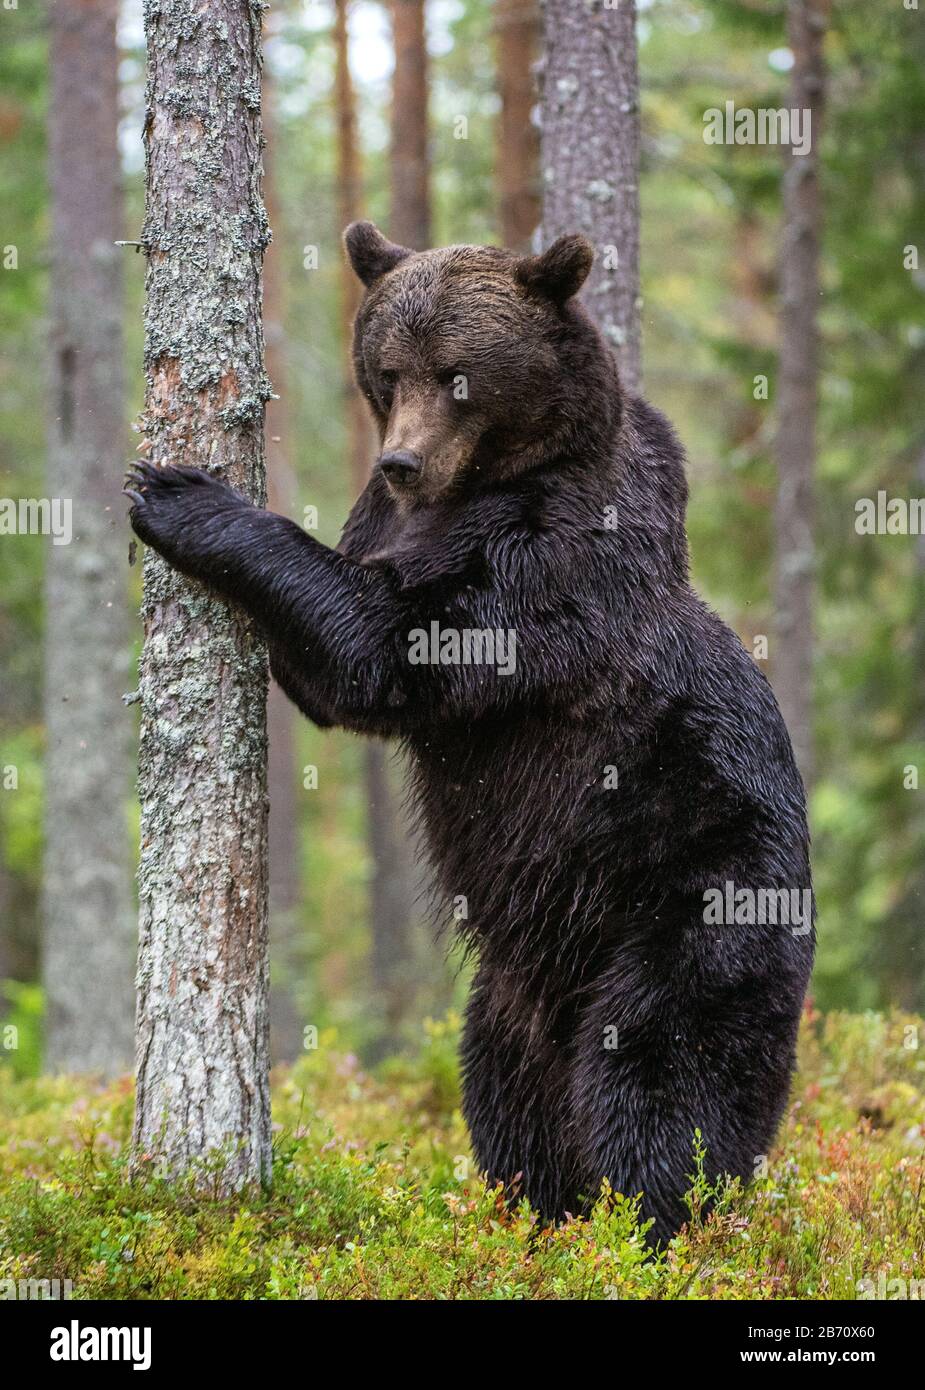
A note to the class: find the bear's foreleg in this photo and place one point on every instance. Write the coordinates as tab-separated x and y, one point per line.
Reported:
330	622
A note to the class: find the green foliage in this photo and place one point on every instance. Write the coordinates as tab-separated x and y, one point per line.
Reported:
21	1027
711	243
373	1194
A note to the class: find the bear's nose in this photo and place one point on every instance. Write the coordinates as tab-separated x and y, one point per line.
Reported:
401	466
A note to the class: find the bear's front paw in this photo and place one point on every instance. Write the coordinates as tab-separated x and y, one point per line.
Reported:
179	511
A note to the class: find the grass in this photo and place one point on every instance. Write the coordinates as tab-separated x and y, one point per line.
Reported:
375	1196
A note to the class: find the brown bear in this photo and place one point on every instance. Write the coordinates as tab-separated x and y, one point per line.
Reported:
597	761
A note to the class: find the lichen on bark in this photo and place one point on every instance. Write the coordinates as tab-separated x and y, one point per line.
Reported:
202	1031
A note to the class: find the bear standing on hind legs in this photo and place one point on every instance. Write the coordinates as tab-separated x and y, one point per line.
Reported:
624	766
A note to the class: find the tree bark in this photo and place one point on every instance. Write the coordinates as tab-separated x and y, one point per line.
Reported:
517	25
795	445
89	932
410	164
202	1039
590	158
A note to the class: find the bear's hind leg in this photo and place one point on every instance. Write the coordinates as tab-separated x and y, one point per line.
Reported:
641	1092
514	1103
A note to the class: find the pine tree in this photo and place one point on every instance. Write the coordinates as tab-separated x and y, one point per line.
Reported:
202	1039
798	387
517	26
89	937
590	158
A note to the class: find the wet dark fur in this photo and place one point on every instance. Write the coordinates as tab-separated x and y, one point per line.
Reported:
585	905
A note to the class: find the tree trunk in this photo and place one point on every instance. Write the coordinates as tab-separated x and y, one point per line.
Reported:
797	388
394	969
397	973
202	1042
517	25
590	158
349	205
6	953
390	895
410	165
283	837
395	879
89	937
896	953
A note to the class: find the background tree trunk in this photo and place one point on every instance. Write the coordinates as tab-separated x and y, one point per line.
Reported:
410	163
517	26
202	1043
283	838
361	441
590	158
397	877
89	930
391	886
897	953
795	446
6	953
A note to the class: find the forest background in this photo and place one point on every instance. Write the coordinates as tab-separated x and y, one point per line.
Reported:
351	949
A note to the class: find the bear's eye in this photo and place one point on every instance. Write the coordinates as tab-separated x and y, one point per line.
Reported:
388	378
449	376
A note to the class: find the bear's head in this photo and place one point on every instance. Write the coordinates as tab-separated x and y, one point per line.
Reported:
477	364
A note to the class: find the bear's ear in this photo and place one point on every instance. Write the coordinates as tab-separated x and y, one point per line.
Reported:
370	253
560	271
